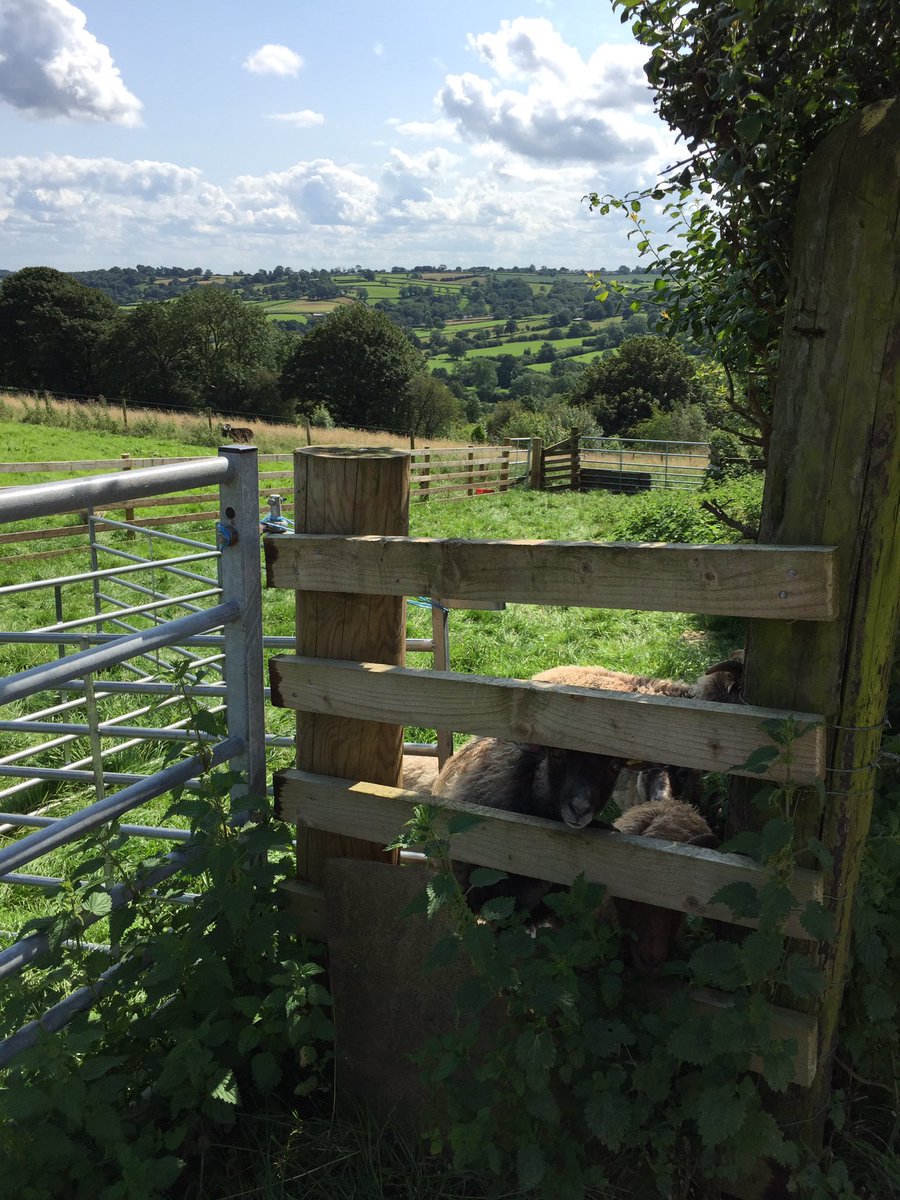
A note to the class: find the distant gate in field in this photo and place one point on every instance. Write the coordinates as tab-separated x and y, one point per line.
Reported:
586	463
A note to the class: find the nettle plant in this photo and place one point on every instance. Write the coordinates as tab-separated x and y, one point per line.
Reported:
569	1076
215	1007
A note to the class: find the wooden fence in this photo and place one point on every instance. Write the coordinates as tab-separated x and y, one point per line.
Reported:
822	596
579	463
438	474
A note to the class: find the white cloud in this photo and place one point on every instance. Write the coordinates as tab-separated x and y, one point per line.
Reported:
546	103
53	67
378	49
444	129
303	119
273	59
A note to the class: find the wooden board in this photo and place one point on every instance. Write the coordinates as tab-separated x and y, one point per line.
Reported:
786	583
692	733
636	868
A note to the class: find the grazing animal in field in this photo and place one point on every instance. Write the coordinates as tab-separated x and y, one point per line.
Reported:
237	433
563	785
655	931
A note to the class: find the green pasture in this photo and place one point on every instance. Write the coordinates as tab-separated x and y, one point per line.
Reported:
513	643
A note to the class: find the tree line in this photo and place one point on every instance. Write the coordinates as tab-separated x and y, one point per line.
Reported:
355	367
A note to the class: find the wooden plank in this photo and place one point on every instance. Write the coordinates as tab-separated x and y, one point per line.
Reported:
349	491
32	535
786	583
636	868
306	902
693	733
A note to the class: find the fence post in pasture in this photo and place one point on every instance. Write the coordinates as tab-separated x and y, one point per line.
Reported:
308	432
470	472
124	412
129	511
440	636
575	461
834	479
412	440
504	465
425	477
239	578
209	419
345	490
536	470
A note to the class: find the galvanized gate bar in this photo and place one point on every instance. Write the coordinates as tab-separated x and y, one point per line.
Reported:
70	828
50	675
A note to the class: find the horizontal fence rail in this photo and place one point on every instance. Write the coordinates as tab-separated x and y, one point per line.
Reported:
762	581
694	733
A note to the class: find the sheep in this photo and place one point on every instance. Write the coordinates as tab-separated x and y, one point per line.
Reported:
419	773
720	683
237	433
563	785
654	931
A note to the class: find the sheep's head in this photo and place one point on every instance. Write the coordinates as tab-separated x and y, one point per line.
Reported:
723	681
654	931
578	784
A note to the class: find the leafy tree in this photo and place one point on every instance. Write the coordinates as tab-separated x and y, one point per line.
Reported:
645	374
751	87
432	409
358	363
205	348
49	329
145	359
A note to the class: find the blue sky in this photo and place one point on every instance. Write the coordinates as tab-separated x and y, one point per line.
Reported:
236	134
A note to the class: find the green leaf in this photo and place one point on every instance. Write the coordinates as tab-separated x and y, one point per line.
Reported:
803	977
98	903
760	759
818	921
761	953
530	1167
485	877
742	898
443	953
265	1070
498	909
542	1105
462	823
749	127
226	1090
721	1112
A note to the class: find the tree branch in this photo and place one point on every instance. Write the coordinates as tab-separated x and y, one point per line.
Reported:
721	515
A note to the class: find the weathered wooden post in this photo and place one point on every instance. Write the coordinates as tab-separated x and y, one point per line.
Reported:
575	461
425	477
504	465
834	478
129	512
344	490
470	472
536	467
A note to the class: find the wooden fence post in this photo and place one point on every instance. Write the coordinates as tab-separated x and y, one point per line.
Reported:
209	419
834	478
349	491
129	512
536	470
470	472
575	469
424	479
308	432
124	412
504	465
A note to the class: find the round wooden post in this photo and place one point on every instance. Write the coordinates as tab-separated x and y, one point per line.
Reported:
341	490
834	479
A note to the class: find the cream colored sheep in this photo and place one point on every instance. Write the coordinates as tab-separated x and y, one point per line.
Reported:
654	931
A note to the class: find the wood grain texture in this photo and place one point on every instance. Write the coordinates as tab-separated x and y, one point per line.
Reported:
694	733
349	491
636	868
790	583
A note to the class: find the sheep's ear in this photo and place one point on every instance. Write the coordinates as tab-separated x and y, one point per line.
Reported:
732	665
708	841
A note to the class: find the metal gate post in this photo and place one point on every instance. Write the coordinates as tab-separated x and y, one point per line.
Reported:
240	579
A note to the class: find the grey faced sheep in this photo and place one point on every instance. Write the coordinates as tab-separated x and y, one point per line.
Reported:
720	683
237	433
562	785
654	931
